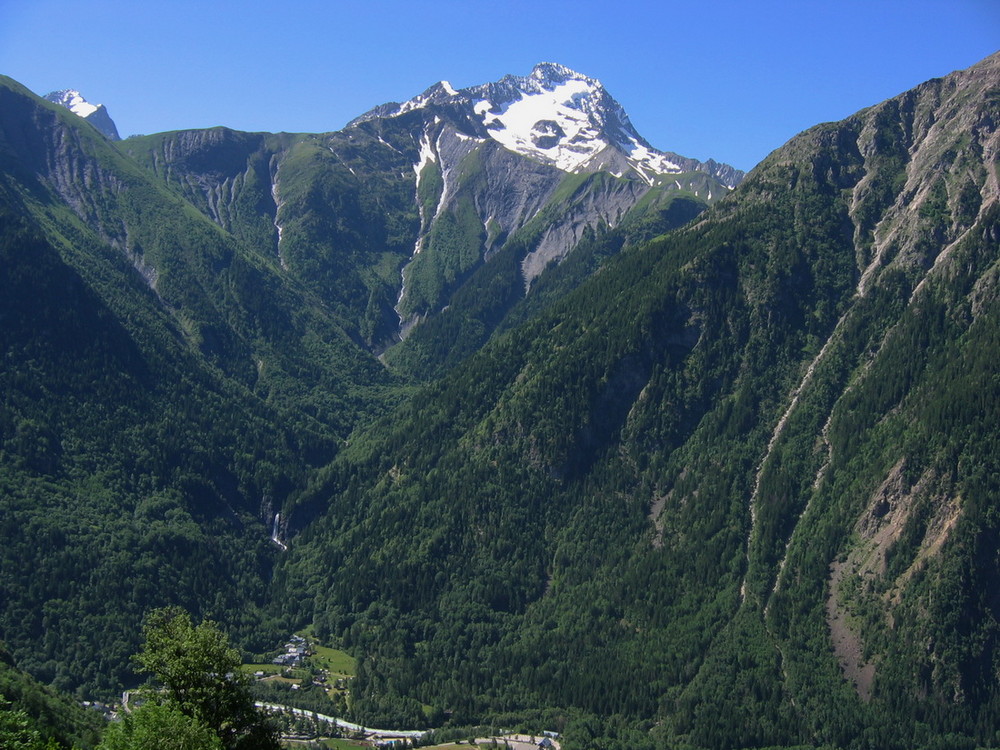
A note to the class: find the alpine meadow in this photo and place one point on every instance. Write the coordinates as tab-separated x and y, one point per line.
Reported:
519	423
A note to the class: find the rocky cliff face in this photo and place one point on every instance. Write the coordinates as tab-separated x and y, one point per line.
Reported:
59	158
487	194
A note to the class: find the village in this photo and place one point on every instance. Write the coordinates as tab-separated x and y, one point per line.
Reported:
320	675
304	665
308	674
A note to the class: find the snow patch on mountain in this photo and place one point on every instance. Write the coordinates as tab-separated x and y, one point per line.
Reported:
427	155
550	125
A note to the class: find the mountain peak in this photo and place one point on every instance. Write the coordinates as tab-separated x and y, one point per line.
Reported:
72	100
96	114
556	73
560	117
547	75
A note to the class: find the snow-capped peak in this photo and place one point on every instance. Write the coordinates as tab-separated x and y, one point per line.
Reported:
553	115
96	114
73	101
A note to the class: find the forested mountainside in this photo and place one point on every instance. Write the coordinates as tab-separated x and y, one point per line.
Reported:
163	390
29	708
190	323
735	485
738	489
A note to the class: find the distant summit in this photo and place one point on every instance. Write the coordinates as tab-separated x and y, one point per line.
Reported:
96	114
559	117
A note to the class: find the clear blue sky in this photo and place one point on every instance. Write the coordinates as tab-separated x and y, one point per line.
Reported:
713	78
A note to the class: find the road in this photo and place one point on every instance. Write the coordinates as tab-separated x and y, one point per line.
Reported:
349	726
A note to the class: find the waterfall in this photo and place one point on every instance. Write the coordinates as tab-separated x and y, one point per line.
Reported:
275	530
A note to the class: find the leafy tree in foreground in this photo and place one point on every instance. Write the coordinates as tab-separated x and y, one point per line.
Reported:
201	679
18	731
159	727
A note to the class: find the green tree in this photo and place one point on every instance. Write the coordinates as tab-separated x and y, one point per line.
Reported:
18	731
201	677
159	727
